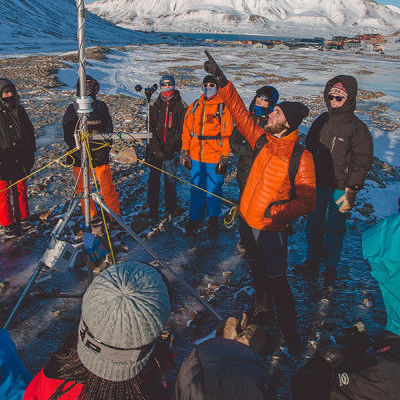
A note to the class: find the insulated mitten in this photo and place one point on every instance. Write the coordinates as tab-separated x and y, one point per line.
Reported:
211	67
186	161
347	200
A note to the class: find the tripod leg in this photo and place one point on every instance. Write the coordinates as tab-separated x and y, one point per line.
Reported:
97	200
23	295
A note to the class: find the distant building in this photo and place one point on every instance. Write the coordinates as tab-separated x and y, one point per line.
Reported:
282	46
333	45
352	44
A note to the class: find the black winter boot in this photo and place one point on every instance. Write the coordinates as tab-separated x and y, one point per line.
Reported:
212	225
12	231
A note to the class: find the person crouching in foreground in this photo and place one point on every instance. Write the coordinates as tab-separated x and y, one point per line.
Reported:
116	353
269	201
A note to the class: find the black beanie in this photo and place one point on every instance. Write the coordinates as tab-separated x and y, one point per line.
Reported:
294	112
209	78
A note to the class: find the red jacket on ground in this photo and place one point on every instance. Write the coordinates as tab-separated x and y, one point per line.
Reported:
268	181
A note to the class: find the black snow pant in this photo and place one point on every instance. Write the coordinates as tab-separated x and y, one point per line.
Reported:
267	252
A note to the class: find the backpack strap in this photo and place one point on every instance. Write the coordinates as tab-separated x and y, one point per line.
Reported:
294	163
220	112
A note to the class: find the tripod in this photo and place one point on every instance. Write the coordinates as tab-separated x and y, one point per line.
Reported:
59	253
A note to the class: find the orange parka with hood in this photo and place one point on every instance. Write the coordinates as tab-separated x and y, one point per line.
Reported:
265	203
205	132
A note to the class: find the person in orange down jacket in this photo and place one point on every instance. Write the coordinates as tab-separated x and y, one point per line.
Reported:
275	193
99	121
205	152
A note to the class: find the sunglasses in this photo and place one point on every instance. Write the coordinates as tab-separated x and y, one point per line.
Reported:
163	84
210	84
337	98
261	96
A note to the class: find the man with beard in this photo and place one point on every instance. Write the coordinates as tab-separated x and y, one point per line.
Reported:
270	200
17	156
166	121
99	121
343	152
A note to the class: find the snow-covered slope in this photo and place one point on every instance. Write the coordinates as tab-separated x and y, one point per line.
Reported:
50	25
261	16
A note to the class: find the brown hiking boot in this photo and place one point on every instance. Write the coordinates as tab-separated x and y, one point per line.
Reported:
228	329
256	338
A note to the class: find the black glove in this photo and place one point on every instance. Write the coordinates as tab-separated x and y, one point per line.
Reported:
222	165
159	155
212	68
186	161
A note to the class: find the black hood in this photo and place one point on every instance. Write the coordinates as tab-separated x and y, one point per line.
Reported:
88	78
222	369
6	82
271	93
350	83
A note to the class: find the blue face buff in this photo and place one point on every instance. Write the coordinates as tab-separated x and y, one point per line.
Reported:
210	89
260	111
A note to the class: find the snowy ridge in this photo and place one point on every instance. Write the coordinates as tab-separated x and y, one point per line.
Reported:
52	24
251	16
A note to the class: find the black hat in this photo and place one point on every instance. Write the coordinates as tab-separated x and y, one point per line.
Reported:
294	112
209	78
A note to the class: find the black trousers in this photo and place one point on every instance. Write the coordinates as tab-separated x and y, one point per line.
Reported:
267	252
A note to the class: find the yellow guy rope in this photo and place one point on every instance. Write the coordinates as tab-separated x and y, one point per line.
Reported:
86	139
40	169
229	218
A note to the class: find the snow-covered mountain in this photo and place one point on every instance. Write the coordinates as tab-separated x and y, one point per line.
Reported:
251	16
50	25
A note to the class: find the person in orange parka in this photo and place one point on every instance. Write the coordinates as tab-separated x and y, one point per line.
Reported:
270	200
205	151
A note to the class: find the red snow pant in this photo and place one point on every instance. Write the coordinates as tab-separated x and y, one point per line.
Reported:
108	190
20	211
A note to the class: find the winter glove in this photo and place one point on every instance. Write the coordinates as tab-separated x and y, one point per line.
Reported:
159	154
211	67
186	161
222	165
347	200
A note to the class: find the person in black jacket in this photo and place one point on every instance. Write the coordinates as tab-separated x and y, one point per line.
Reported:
99	121
166	120
222	369
343	152
17	156
261	106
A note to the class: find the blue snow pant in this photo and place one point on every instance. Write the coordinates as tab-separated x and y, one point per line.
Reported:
325	228
203	175
153	189
267	255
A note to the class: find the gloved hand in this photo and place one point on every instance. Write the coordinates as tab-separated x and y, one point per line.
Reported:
347	200
211	67
222	165
186	161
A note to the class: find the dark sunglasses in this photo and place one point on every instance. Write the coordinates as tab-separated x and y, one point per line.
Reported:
261	96
167	83
337	98
209	84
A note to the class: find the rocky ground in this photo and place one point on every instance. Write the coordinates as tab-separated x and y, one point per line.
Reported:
325	303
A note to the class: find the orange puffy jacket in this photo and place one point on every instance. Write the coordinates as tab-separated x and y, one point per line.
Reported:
265	202
203	134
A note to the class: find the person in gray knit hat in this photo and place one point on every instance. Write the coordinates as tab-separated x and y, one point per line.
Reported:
124	312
